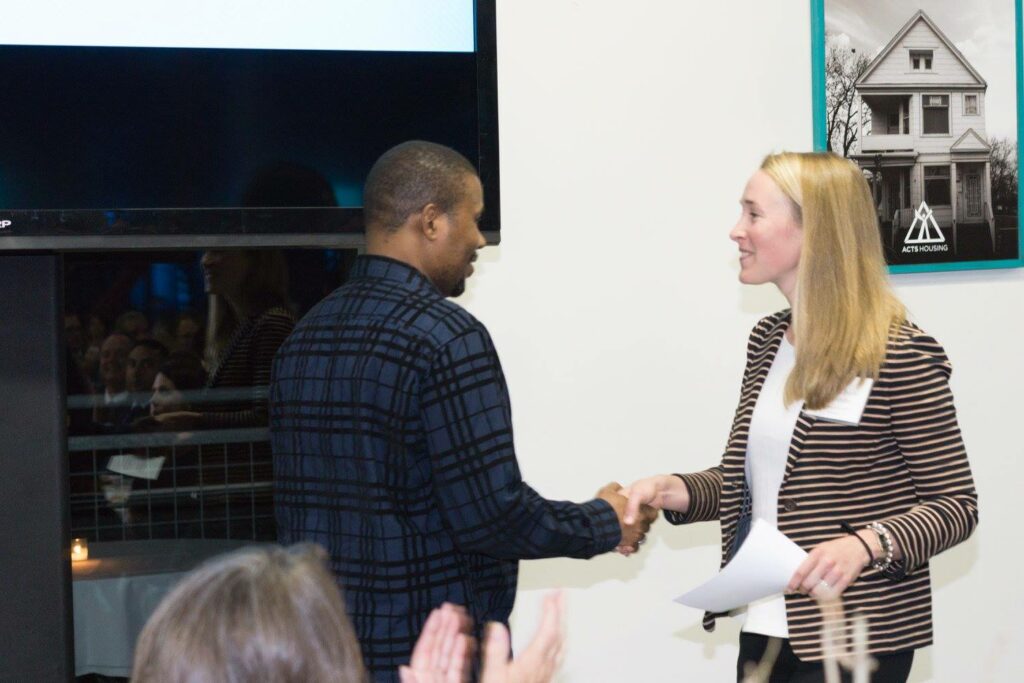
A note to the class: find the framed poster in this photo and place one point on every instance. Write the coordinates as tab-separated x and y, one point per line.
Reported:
925	96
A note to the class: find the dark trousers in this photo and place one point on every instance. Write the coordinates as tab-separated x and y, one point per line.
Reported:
892	668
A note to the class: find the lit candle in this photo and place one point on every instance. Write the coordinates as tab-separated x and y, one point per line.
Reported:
79	549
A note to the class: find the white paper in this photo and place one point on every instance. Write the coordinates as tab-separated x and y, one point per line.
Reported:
134	466
847	407
762	567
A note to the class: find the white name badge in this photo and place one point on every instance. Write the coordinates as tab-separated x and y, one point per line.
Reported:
848	406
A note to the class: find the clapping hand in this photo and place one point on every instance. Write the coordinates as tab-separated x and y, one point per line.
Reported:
541	658
444	649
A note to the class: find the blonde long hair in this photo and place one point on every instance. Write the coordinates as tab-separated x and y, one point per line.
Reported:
845	308
258	614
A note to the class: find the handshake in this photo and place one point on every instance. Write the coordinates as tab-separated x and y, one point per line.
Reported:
634	513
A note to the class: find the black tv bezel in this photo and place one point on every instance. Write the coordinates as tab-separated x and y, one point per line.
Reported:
199	228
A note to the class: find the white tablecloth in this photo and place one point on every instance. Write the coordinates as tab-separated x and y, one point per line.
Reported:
117	589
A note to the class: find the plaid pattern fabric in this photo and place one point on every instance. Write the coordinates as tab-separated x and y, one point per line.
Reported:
392	438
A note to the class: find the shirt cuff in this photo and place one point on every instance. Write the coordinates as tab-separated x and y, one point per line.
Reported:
603	523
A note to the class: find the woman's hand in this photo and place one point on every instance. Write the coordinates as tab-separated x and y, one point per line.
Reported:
541	658
661	492
443	651
830	568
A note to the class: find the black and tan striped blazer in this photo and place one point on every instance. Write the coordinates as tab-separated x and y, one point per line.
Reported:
903	465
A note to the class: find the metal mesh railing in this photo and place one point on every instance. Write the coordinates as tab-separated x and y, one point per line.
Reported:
203	484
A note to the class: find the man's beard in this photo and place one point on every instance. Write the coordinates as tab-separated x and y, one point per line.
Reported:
458	289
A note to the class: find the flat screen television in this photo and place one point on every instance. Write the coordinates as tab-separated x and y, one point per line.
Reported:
210	123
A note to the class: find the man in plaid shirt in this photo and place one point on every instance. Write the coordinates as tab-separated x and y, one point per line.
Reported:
392	430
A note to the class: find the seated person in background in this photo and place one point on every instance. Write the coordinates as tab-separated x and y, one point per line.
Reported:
133	324
181	373
95	334
78	390
144	360
188	332
275	614
74	335
160	506
112	404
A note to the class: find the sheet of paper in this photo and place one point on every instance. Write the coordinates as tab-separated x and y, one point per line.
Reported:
763	566
848	407
134	466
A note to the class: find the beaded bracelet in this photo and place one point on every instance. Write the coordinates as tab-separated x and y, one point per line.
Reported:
883	562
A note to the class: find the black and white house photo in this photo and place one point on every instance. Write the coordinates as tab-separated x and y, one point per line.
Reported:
922	95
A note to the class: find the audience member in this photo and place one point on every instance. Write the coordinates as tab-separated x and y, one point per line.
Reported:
268	613
95	334
182	372
141	368
188	332
256	615
133	324
74	335
112	404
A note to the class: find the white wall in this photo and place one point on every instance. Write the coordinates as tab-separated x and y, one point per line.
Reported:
628	130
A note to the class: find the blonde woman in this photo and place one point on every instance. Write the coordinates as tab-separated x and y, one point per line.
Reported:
845	436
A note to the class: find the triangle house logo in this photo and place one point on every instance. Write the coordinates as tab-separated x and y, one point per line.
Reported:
924	234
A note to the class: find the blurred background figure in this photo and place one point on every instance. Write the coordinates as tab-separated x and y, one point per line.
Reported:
249	318
74	336
133	324
188	331
95	333
77	387
183	371
144	360
112	403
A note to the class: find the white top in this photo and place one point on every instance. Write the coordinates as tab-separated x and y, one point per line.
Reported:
771	432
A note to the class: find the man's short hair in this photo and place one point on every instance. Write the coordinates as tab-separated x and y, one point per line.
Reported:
410	176
152	345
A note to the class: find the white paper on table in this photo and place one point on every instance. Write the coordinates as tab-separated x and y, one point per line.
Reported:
763	566
134	466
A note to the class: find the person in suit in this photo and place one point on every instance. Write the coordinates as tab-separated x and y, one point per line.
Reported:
845	436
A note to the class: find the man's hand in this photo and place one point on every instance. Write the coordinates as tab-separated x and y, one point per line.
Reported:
635	530
443	651
541	658
647	496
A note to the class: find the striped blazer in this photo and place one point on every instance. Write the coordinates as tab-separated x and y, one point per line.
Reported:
904	465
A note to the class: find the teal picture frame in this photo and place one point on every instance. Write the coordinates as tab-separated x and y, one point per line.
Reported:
821	142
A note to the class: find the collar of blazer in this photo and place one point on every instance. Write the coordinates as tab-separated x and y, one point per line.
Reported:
764	346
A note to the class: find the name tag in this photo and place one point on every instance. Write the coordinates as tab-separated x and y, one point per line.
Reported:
848	406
